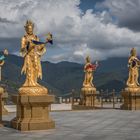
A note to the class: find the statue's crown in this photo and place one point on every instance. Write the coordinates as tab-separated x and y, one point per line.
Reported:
133	51
29	23
88	58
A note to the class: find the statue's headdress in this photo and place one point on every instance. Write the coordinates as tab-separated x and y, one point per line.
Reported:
133	52
29	23
88	58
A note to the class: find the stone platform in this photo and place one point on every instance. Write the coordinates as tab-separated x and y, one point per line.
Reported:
88	96
4	98
1	92
131	100
33	112
82	125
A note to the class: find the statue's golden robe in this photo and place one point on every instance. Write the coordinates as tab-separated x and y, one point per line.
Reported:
32	54
133	72
88	76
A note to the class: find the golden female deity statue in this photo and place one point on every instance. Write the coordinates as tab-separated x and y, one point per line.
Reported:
32	66
2	61
133	64
88	89
88	69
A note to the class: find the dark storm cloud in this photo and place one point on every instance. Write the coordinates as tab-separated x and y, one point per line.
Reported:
4	20
132	22
125	12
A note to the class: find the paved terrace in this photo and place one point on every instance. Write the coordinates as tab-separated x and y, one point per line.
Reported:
83	125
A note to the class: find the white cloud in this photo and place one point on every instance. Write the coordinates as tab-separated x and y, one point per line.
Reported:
126	12
76	34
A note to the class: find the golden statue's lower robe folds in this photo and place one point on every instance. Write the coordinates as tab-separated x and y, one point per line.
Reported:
33	102
131	93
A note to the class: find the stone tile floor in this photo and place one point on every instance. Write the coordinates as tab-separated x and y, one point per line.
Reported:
105	124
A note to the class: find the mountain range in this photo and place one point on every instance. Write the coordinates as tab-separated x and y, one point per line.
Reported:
60	78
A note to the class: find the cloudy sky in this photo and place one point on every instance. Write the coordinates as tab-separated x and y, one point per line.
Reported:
99	28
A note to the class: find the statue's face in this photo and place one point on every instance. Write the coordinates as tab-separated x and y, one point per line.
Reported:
29	30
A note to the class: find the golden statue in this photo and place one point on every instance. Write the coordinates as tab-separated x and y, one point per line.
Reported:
2	60
32	64
88	69
88	90
133	64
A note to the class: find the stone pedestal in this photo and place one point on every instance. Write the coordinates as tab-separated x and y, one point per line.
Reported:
1	92
88	96
33	112
131	98
4	98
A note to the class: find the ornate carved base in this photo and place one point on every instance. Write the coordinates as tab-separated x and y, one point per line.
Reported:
33	112
131	99
132	89
33	91
88	96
